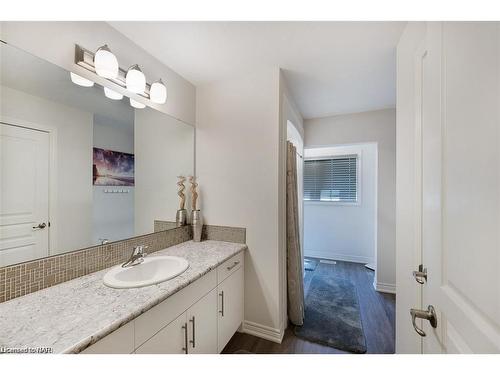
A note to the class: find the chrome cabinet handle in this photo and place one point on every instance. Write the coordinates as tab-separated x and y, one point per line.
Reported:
429	314
185	328
234	265
221	294
40	226
193	341
420	275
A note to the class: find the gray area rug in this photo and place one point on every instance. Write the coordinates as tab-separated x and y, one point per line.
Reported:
310	264
332	315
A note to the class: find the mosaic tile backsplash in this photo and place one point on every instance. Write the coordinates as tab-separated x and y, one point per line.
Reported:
221	233
210	232
24	278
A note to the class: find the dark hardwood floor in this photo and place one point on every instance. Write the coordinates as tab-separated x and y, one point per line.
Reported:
377	316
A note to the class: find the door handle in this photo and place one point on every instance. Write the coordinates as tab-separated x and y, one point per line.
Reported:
193	341
40	226
420	275
221	294
185	328
429	314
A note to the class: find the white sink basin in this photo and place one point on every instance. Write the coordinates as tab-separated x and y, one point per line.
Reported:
153	270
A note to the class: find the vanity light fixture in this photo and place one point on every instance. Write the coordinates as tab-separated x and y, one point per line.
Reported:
105	63
158	92
80	81
136	104
135	79
111	94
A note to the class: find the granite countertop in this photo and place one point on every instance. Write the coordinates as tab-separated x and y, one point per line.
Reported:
69	317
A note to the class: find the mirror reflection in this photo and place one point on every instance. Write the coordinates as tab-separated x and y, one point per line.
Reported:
79	168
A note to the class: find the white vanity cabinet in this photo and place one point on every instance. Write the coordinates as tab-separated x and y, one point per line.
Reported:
169	340
199	319
230	307
202	325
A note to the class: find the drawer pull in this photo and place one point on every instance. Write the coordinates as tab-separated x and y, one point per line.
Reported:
234	265
193	341
185	328
221	294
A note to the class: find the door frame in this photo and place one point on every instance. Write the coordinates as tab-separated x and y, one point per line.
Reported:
420	55
52	133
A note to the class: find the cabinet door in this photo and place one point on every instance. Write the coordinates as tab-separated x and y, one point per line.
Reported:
231	302
120	341
202	325
169	340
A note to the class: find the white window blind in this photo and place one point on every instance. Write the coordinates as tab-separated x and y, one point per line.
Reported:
332	179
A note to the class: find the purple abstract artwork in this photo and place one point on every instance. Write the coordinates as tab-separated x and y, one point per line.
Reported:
113	168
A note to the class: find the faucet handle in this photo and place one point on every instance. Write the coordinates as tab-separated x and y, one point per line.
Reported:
139	249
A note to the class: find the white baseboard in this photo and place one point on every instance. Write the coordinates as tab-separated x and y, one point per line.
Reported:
385	288
336	256
262	331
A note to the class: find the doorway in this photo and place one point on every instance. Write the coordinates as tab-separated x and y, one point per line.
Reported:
343	309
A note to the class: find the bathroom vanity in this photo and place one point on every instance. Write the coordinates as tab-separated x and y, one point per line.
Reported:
99	168
198	319
195	312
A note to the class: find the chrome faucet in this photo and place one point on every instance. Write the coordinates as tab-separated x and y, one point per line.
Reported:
137	256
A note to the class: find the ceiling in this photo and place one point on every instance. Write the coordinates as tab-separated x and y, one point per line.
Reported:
330	67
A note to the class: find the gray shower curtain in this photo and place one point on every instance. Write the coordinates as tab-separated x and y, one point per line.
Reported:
295	268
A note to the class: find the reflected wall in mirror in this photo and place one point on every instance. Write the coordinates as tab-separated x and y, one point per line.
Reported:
57	194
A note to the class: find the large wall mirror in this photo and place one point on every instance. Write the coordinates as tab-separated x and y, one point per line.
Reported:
78	169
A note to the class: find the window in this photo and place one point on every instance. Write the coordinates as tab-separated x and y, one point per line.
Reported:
331	180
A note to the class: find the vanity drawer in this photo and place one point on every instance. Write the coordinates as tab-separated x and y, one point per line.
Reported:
153	320
229	266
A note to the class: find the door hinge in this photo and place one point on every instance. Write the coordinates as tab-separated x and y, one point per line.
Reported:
420	275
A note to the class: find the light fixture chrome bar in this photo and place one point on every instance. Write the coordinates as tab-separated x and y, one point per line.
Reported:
85	59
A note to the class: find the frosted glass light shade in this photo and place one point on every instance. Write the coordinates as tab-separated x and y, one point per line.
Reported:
136	104
158	92
112	94
135	79
80	81
105	63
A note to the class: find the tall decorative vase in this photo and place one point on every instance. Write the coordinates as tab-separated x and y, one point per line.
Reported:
181	217
197	224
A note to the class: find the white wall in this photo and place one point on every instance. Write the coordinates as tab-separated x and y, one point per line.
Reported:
112	213
238	145
374	126
163	150
55	42
73	220
406	238
345	231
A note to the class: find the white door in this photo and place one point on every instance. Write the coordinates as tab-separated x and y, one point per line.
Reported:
24	194
202	325
231	302
169	340
461	187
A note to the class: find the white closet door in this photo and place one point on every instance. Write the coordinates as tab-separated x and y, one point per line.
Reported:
461	187
24	194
